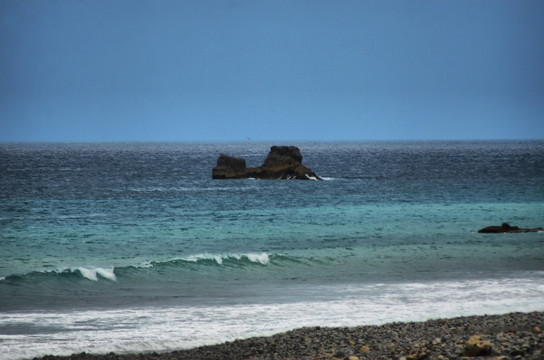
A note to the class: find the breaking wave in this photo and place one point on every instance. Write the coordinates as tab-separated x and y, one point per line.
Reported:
257	258
190	262
88	273
94	274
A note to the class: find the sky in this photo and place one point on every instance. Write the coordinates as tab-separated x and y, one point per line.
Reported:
238	70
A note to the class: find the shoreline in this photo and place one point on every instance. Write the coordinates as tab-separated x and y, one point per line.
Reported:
508	336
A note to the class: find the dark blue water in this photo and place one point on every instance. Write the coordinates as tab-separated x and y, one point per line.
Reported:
133	233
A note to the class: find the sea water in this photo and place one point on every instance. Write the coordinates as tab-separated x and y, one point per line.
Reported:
133	247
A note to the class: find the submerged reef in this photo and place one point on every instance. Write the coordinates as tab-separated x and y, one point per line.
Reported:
282	162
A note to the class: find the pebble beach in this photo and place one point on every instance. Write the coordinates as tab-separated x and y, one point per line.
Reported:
509	336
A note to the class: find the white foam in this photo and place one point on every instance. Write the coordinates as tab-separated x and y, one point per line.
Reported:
88	273
92	274
195	258
218	259
163	329
144	265
106	273
260	258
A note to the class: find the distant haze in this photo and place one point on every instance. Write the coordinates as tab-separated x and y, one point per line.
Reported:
229	70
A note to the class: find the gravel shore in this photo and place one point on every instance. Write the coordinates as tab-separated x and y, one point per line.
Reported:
510	336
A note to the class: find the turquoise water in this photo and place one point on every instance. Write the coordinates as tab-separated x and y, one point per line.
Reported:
137	241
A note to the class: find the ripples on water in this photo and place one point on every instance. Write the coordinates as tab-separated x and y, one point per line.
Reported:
110	228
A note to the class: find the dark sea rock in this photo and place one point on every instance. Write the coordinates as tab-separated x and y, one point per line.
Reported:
506	228
231	164
282	162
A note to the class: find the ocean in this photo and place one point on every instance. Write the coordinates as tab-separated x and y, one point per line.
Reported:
132	247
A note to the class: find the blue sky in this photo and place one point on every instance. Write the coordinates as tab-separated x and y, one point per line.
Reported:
230	70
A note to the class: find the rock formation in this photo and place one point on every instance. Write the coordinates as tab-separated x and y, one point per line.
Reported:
506	228
282	162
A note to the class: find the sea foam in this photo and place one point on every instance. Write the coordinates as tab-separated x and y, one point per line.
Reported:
261	258
93	274
169	328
